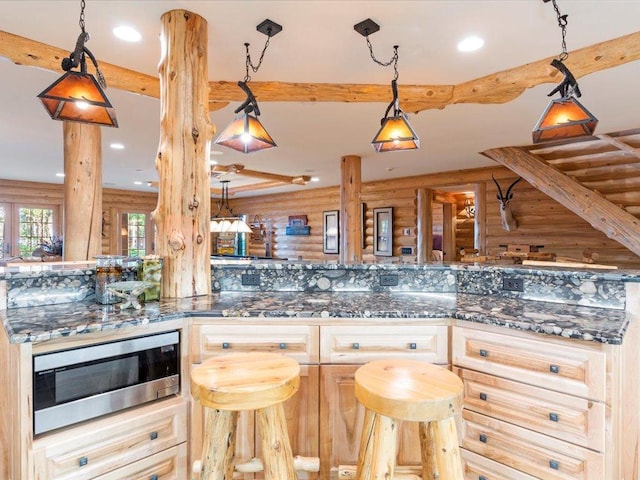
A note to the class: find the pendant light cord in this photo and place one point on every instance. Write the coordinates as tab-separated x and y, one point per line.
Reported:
562	23
249	63
393	60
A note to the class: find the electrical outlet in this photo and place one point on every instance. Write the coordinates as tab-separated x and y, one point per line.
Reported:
388	279
406	250
250	279
512	284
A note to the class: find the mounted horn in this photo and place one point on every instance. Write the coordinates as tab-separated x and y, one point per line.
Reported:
508	220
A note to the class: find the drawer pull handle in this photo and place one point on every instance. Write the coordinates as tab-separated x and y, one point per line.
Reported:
153	477
225	345
483	396
554	465
483	438
554	369
283	346
153	435
484	353
413	346
82	461
355	346
553	417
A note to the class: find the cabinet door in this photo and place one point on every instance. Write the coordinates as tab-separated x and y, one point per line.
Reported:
475	467
361	344
297	341
341	417
101	446
565	368
574	419
301	412
170	464
533	453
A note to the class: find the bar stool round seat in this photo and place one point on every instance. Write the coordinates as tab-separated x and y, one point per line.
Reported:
245	381
408	390
228	384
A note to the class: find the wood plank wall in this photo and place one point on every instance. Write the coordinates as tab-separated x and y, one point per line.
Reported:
542	221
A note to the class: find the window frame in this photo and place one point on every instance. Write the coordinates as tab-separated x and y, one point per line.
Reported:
148	231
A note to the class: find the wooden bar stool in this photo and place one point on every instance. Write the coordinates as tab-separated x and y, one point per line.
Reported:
256	381
414	391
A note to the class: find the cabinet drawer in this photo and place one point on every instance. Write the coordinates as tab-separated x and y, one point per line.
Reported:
475	467
170	464
573	419
101	446
362	344
528	451
297	341
563	368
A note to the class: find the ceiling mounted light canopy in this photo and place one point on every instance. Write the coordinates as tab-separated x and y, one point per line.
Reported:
564	117
396	133
227	223
245	133
77	96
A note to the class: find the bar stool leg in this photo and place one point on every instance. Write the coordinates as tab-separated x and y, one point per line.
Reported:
448	459
219	444
377	454
429	471
277	456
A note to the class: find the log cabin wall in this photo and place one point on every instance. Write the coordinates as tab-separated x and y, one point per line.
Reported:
542	221
51	194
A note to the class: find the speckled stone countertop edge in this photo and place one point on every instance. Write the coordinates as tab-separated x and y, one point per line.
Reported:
585	323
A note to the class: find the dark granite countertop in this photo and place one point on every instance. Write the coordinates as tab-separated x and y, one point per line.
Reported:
35	324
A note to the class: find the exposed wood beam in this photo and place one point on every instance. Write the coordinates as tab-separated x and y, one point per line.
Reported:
625	147
255	186
282	179
500	87
603	215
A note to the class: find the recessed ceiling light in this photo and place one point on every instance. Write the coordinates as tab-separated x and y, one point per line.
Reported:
470	44
117	146
126	33
59	174
215	152
137	182
213	162
315	179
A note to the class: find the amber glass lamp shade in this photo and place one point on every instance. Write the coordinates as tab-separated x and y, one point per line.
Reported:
246	134
395	135
77	97
564	118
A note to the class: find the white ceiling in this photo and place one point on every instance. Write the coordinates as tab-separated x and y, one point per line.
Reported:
317	44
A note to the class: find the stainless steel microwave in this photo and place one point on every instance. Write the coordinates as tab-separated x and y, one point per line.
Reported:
74	385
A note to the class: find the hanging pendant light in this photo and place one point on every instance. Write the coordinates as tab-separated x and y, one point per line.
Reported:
245	133
228	223
564	117
77	96
395	134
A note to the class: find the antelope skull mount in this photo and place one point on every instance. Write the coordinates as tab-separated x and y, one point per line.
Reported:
509	222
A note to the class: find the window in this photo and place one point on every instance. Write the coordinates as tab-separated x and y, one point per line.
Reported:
35	225
134	234
3	230
23	227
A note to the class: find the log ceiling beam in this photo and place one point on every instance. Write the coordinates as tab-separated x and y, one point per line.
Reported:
625	147
603	215
499	87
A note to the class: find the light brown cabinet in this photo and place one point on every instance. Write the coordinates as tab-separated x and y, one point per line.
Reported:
542	406
324	417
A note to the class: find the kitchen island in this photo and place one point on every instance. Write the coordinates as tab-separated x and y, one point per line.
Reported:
334	318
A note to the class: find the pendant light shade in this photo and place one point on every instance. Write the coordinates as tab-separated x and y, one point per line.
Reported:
246	134
395	134
229	223
564	118
77	97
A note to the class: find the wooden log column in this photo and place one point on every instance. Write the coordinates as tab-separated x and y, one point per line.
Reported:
350	221
480	218
184	202
82	202
424	217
